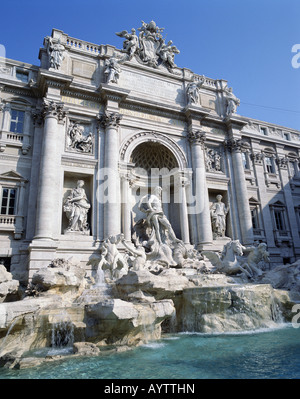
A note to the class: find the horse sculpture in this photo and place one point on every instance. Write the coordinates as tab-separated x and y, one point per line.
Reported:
228	262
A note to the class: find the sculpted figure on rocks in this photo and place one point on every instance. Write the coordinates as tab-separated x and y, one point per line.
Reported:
228	262
258	256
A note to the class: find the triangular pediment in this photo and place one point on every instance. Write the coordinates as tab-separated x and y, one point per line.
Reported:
11	175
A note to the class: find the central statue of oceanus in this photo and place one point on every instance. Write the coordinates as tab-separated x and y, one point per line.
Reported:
162	235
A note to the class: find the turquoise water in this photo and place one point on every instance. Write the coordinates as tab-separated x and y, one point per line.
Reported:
260	355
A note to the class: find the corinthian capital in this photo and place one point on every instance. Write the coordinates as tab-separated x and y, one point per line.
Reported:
54	109
196	137
110	119
236	145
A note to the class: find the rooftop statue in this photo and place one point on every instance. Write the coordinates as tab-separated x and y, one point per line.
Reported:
149	47
232	102
131	44
55	52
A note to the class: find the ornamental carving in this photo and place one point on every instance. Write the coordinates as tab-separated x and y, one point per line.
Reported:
282	162
213	160
196	137
149	47
257	157
110	119
53	109
236	145
78	140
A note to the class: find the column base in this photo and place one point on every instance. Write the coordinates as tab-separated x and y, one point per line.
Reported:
41	254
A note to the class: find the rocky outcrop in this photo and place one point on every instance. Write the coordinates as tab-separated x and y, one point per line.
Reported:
232	308
285	277
9	288
60	277
165	285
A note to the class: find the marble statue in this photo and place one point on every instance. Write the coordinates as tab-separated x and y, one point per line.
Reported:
232	102
78	141
149	47
76	207
212	161
112	261
131	43
112	69
167	52
257	258
156	218
138	253
228	262
218	212
162	237
55	52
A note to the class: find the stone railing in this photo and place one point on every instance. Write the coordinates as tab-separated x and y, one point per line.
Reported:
7	222
83	46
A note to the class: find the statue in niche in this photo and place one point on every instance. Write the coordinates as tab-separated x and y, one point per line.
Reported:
131	43
213	161
112	69
232	102
162	237
76	207
55	52
218	212
78	141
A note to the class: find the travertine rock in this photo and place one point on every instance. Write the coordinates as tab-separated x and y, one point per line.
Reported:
9	288
165	285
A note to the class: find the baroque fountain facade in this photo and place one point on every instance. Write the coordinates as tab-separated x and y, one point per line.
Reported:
135	201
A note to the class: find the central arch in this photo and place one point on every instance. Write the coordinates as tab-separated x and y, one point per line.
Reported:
153	159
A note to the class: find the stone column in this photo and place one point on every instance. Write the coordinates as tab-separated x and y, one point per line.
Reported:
112	214
282	162
126	208
235	147
49	171
197	138
259	169
184	222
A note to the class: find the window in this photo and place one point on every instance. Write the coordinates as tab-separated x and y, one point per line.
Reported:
264	131
254	217
8	201
279	219
17	121
269	165
286	136
22	76
245	160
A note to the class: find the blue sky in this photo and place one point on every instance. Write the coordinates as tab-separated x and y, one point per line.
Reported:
246	42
